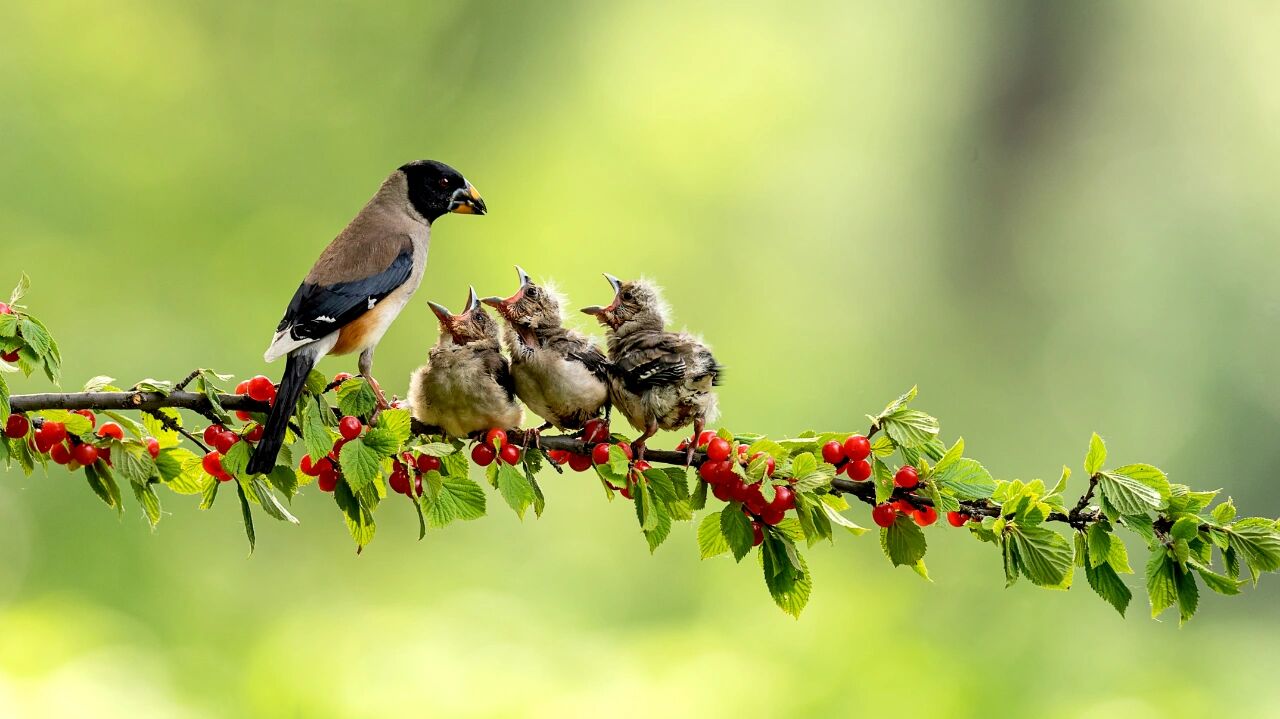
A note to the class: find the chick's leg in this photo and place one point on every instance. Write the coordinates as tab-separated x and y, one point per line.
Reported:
366	371
698	424
637	447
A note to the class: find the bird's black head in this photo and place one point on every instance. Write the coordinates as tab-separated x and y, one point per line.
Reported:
436	189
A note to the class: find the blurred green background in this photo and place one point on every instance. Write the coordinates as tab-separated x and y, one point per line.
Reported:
1056	218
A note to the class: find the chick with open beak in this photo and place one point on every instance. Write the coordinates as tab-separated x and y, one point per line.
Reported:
559	373
660	379
466	385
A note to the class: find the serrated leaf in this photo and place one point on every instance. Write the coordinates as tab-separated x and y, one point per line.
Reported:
181	472
359	519
883	479
270	504
737	530
839	519
104	484
1257	542
1185	528
1162	588
1129	495
361	465
1108	585
455	498
315	433
1096	456
356	398
1217	582
398	422
383	442
246	516
1188	594
785	574
769	447
903	542
515	489
1044	556
966	479
1224	512
910	427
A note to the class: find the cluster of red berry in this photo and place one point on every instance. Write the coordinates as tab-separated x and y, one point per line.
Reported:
595	434
849	457
495	446
222	439
52	439
11	355
720	472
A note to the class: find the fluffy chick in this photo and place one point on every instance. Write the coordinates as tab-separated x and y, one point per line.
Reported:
466	385
560	375
660	379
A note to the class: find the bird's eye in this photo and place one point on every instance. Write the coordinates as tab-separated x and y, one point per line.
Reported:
532	291
444	182
627	296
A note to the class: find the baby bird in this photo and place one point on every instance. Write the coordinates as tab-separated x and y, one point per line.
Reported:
466	385
660	379
559	374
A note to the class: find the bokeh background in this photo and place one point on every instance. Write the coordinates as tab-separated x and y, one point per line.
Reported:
1056	218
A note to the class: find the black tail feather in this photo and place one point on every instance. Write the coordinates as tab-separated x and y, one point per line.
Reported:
296	369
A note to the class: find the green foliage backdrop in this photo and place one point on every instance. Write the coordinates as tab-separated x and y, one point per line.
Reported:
1056	220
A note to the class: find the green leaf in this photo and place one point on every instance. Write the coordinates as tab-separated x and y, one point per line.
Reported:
181	472
910	427
246	515
236	461
1096	457
103	484
1162	587
1044	556
20	290
315	433
1129	495
1257	542
661	529
903	542
711	541
316	382
515	489
356	398
1224	513
1188	593
4	401
453	498
785	574
769	447
270	504
1185	528
1106	548
1104	580
809	474
839	519
1217	582
398	422
737	530
383	442
361	465
883	479
965	478
359	518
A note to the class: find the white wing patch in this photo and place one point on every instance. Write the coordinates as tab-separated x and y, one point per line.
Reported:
326	319
372	301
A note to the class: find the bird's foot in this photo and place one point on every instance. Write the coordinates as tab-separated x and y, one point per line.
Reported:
379	397
688	455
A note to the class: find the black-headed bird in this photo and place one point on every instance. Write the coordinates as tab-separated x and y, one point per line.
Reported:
560	375
466	385
360	284
660	379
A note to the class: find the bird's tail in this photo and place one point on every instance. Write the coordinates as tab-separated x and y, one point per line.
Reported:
296	369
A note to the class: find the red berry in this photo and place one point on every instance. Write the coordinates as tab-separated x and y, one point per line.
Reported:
832	452
17	426
350	427
595	430
112	430
625	491
926	516
758	534
906	478
626	449
255	433
341	377
5	309
153	447
769	464
559	456
710	471
10	356
212	464
85	454
399	479
857	447
328	479
495	438
89	415
641	467
705	438
904	506
336	452
957	519
261	389
483	455
510	454
684	444
54	432
104	454
754	499
772	516
310	468
225	441
783	500
723	491
858	470
718	449
579	462
211	433
60	454
884	514
427	463
243	387
600	454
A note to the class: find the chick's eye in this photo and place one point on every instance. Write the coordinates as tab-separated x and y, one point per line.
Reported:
626	295
532	292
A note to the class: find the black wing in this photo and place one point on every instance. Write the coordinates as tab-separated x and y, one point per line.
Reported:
499	369
593	359
650	360
317	310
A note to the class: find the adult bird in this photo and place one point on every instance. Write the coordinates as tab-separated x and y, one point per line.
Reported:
559	373
360	284
660	379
